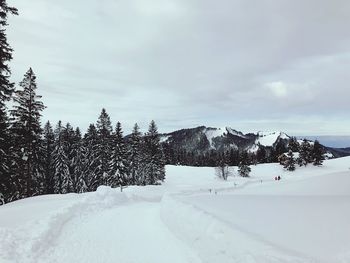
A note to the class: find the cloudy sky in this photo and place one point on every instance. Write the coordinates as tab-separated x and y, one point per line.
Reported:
252	65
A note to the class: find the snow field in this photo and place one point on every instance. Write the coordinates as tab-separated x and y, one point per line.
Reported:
218	241
193	217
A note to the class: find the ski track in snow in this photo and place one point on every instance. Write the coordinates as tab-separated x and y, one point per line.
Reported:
129	234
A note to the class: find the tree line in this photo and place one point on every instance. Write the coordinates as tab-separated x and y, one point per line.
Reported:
302	154
309	153
45	160
232	157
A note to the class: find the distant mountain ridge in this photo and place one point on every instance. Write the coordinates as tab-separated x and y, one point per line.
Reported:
203	139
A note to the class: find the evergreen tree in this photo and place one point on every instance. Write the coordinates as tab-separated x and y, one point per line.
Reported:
104	130
154	160
60	162
81	165
293	144
135	155
244	170
290	161
243	166
279	149
27	134
76	161
244	158
119	168
69	140
90	180
261	154
7	184
317	153
6	86
49	168
304	153
234	157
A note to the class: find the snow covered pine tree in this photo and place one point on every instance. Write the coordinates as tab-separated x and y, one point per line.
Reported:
135	156
27	133
317	153
290	161
48	164
153	162
60	158
304	153
104	143
7	185
118	175
243	167
90	180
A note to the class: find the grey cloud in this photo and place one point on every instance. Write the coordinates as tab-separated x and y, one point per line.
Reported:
185	63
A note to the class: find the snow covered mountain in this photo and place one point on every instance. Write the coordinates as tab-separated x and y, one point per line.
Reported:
202	139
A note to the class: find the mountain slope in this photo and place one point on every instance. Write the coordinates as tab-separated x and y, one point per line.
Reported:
202	139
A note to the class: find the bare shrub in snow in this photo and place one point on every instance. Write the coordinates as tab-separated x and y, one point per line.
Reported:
223	171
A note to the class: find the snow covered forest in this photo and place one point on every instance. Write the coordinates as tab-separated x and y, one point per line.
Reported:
37	159
44	160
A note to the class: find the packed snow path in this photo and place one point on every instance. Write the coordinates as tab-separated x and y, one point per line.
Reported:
128	234
109	226
104	226
302	219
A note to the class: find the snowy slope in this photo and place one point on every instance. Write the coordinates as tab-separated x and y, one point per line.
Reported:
235	133
270	138
212	133
192	217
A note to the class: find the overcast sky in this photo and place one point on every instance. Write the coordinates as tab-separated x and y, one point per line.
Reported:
252	65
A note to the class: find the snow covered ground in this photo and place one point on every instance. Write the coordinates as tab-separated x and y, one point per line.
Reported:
192	217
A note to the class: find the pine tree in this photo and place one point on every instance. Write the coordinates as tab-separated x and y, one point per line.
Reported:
60	162
49	168
7	184
279	149
81	165
90	180
27	133
317	153
104	130
118	174
69	140
293	144
304	153
76	161
234	157
154	160
6	86
261	154
290	161
135	155
243	166
244	170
